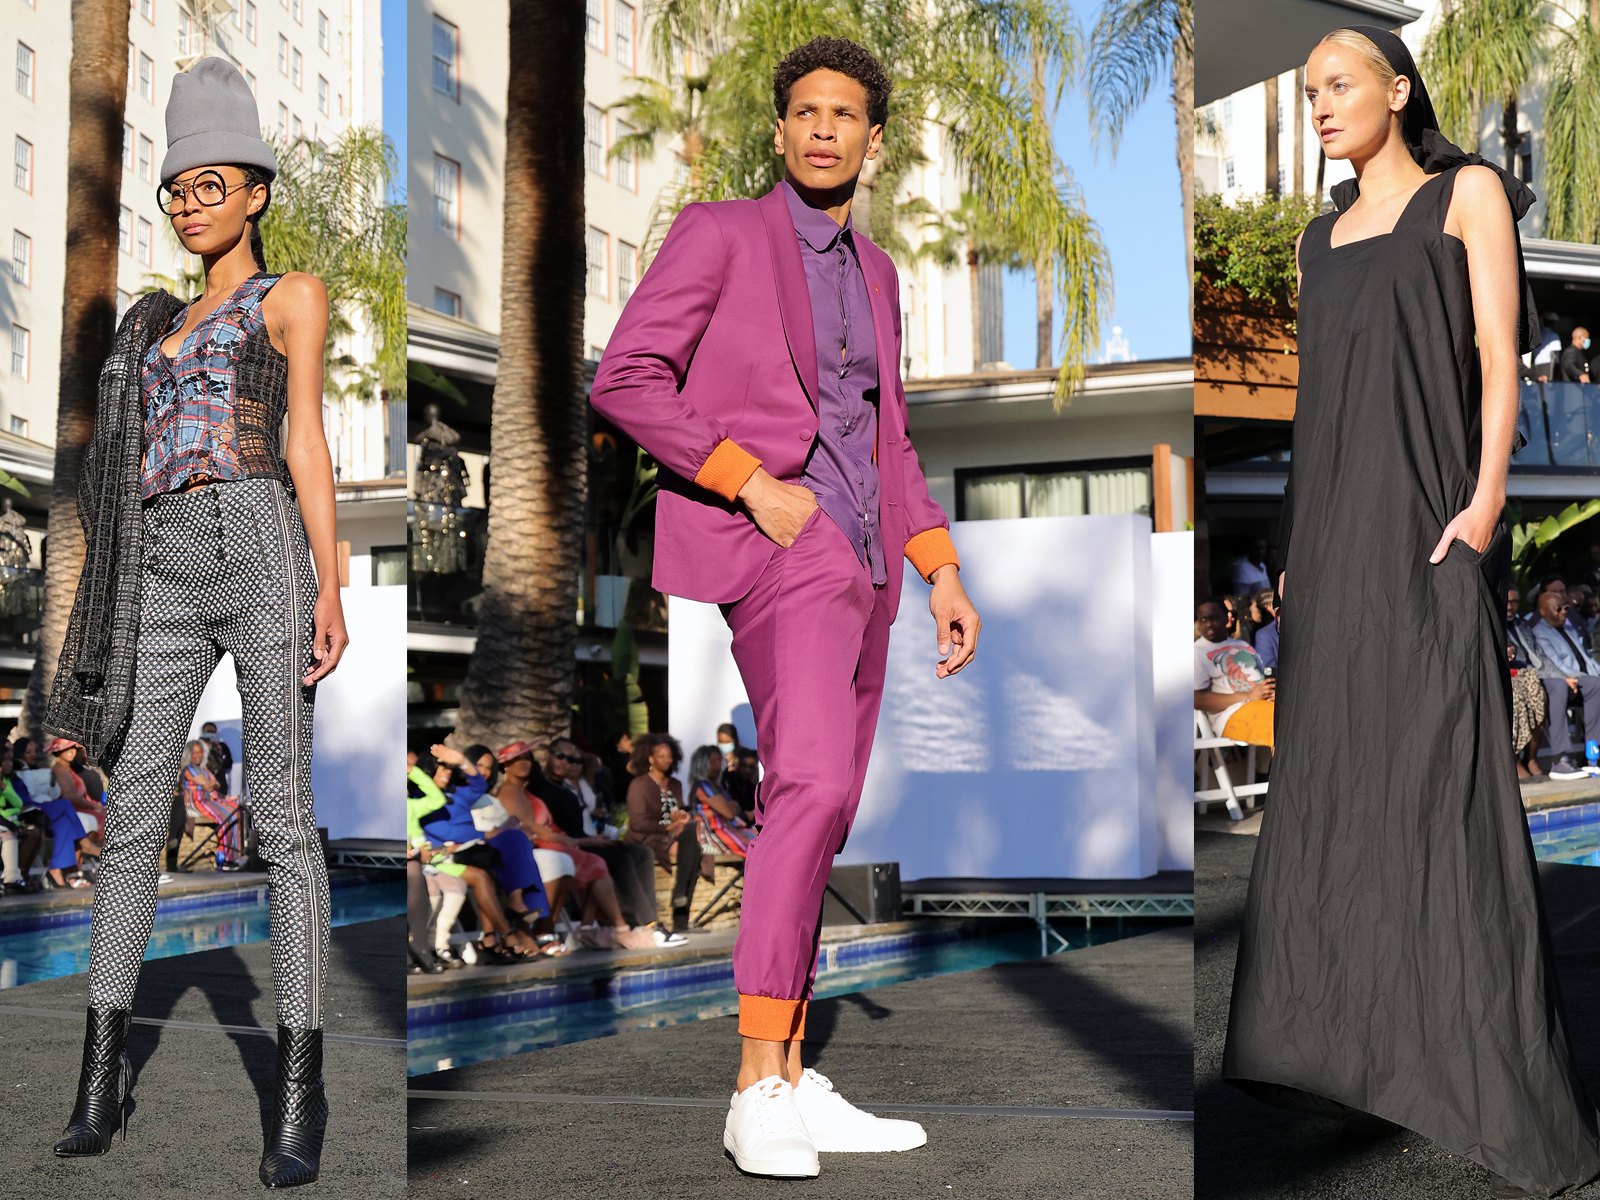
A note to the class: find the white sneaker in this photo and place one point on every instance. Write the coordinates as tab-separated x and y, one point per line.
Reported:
837	1126
765	1134
663	938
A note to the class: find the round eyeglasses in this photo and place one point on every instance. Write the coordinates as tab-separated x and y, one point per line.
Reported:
208	188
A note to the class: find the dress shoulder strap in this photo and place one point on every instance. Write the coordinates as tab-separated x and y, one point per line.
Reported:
1428	208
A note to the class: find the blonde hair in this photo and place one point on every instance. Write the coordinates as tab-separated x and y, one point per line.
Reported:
1369	52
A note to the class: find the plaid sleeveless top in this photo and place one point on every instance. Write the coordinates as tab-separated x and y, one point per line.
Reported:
216	409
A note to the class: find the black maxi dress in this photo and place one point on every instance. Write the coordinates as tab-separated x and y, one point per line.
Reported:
1394	957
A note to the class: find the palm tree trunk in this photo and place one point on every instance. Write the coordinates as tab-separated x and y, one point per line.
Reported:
1044	264
520	678
96	92
977	309
1183	109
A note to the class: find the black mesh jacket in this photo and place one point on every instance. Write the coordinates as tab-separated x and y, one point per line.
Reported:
93	693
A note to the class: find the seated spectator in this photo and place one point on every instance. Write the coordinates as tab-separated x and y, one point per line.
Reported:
1229	686
1250	568
596	893
1566	669
450	828
66	767
19	840
1549	349
720	826
1580	612
632	865
37	787
520	875
219	758
1528	700
658	819
741	778
1267	633
202	796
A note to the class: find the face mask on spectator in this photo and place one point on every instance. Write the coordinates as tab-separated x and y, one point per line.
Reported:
727	748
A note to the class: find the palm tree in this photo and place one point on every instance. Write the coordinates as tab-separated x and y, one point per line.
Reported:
97	90
962	71
966	234
1479	52
521	675
1572	132
1133	39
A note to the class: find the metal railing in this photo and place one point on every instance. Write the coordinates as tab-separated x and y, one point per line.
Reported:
1562	424
1040	907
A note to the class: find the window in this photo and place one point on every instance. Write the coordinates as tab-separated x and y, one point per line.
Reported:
21	258
1283	179
622	18
127	147
294	67
593	354
624	160
238	16
283	55
1227	112
388	566
19	425
147	10
250	21
445	45
1055	490
20	340
249	77
283	120
125	229
322	95
594	247
22	155
322	31
297	10
627	263
447	195
147	78
141	242
594	24
1280	118
295	128
447	303
147	150
123	300
594	139
1227	172
187	42
24	71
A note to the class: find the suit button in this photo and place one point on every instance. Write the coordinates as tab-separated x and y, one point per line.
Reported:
806	437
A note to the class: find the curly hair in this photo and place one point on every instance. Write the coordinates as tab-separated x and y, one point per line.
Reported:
833	54
645	745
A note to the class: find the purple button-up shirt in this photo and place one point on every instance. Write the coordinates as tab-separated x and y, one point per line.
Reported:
840	469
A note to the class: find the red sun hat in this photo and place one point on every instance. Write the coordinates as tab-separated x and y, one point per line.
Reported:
517	749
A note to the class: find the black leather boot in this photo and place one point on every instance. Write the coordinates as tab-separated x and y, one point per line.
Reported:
294	1148
102	1103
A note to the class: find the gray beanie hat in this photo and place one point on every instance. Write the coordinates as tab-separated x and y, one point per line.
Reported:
211	120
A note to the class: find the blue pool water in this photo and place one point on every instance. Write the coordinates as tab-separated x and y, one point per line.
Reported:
1567	835
46	945
454	1033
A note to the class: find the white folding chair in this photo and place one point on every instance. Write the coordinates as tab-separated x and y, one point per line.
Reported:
1227	791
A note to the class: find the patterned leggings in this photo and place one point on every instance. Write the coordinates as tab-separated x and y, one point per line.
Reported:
226	569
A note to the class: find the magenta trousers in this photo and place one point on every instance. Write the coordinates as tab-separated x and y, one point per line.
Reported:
811	639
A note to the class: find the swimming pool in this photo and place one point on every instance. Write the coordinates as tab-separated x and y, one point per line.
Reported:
40	944
1567	835
453	1033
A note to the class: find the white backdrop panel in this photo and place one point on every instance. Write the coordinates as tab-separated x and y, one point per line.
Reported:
1039	759
358	757
1172	582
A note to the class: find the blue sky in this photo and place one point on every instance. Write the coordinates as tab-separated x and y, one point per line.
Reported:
394	83
1134	199
1138	206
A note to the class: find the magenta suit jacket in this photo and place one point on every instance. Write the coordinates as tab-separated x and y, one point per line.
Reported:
713	370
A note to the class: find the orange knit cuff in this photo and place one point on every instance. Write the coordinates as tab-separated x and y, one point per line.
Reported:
772	1020
727	469
930	550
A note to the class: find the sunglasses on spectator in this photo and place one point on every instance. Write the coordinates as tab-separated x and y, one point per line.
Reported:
567	758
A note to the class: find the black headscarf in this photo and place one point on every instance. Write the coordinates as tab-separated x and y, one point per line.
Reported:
1434	152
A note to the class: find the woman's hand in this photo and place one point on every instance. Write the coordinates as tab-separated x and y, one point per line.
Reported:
330	639
1473	525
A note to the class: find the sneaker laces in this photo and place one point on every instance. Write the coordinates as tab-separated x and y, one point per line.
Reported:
773	1115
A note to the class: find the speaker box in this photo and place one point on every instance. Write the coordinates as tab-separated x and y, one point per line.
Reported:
872	889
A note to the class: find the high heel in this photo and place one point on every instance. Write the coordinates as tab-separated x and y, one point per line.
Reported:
300	1114
103	1082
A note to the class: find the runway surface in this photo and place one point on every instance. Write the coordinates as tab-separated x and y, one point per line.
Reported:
1247	1150
202	1093
1107	1027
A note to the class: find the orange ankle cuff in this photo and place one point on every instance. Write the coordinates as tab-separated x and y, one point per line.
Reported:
771	1020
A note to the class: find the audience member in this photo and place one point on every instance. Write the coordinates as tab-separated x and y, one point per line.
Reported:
203	794
1575	358
1229	686
519	875
70	758
1549	349
657	817
720	826
37	787
19	840
1250	568
219	758
1567	670
1266	641
740	778
1528	699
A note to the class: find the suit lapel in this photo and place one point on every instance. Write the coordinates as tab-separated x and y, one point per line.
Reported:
883	332
794	298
